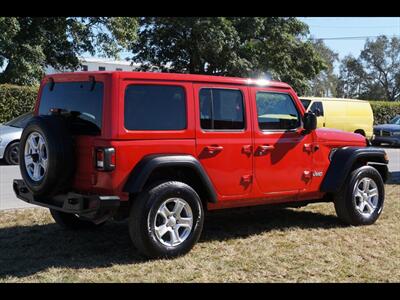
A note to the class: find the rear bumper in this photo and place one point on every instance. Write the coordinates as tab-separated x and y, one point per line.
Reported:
92	207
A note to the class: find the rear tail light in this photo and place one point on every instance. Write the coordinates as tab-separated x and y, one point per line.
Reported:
105	159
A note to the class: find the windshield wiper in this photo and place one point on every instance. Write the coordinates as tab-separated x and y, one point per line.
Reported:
64	112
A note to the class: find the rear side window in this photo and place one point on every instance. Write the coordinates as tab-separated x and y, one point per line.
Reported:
82	102
221	109
276	111
155	107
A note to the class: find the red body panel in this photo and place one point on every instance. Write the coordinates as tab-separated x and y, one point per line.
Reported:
239	177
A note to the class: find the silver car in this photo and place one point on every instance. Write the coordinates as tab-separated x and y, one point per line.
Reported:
10	134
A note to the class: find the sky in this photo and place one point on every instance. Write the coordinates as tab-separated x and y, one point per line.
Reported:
351	31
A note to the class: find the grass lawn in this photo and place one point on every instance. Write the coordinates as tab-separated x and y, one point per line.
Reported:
280	245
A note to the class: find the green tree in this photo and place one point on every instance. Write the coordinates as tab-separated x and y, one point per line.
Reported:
325	83
229	46
375	74
28	45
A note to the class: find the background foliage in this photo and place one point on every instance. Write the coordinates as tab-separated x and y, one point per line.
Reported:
29	44
384	111
276	47
16	100
375	74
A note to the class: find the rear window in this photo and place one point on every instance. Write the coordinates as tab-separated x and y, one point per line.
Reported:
81	102
155	107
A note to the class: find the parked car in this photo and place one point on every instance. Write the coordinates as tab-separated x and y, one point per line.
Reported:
10	133
387	133
350	115
164	149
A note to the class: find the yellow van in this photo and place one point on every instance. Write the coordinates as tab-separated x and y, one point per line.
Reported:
346	114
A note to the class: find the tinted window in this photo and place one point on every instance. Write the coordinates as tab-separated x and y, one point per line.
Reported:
317	109
155	107
395	120
221	109
83	100
20	121
276	111
305	103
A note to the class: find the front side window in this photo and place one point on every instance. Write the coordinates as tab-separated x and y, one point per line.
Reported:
221	109
305	103
155	107
317	109
395	120
21	121
276	111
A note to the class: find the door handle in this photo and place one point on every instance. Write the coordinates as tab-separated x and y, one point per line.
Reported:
213	149
311	147
247	149
263	149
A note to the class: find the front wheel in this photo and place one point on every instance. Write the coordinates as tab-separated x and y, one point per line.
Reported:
360	201
166	220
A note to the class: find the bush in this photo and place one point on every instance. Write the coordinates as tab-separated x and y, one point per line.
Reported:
384	111
16	100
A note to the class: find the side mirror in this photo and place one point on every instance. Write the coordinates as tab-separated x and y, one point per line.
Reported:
309	121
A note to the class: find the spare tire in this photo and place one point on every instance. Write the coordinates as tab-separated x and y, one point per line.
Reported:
46	155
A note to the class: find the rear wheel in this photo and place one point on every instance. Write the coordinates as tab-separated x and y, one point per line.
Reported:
71	221
166	220
46	156
360	201
12	154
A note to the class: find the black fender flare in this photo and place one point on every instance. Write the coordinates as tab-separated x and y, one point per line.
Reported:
344	158
142	171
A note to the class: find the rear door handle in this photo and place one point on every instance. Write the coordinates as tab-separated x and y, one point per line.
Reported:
213	149
263	149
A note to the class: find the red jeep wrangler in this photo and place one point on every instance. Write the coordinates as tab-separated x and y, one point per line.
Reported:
162	149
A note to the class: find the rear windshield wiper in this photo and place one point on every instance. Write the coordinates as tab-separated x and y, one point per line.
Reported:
64	112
